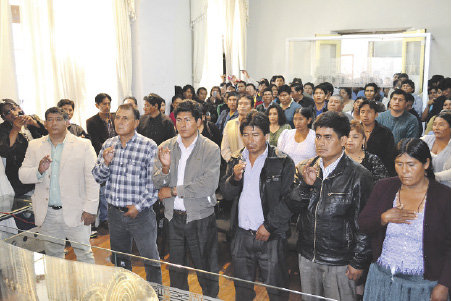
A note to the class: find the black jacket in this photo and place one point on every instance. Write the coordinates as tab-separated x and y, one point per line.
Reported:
15	154
275	180
329	210
381	143
97	130
159	129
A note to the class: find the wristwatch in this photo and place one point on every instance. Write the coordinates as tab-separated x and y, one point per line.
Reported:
173	192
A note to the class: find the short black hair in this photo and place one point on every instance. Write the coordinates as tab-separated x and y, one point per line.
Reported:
251	85
232	94
281	116
256	119
329	87
333	120
188	87
321	87
398	92
128	106
56	110
348	91
444	84
240	82
154	99
297	80
376	88
409	98
298	87
267	89
279	76
284	88
417	149
408	82
199	89
64	102
309	84
372	105
189	106
100	97
251	99
264	82
130	97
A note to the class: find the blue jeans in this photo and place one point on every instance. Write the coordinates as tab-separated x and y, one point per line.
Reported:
103	206
143	229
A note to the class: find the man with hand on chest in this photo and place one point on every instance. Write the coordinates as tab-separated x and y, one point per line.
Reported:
257	179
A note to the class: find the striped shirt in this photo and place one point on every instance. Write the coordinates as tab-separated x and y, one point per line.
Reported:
128	178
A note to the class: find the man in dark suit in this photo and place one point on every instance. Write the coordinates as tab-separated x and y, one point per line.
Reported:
100	127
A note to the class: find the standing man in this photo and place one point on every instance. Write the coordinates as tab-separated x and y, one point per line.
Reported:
257	179
232	140
125	164
287	104
66	195
154	125
267	98
187	175
100	127
299	97
330	191
320	94
397	119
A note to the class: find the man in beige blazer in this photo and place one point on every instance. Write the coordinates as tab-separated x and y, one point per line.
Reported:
66	195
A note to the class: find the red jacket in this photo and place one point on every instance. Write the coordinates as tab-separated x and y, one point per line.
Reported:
436	236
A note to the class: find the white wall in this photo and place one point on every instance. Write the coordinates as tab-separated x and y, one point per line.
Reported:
162	48
271	22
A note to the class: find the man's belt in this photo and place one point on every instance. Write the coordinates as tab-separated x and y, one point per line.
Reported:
252	232
56	207
122	209
179	212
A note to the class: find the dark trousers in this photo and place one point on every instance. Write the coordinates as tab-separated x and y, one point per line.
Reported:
269	256
143	229
201	239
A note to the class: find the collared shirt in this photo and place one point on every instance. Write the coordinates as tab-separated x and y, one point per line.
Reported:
326	171
185	153
251	215
128	177
290	111
54	189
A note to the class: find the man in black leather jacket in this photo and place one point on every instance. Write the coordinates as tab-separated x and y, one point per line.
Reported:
258	178
329	193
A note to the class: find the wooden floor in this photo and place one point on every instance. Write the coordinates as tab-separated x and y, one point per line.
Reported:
227	291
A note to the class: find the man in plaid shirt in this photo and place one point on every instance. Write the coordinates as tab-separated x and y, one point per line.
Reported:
125	164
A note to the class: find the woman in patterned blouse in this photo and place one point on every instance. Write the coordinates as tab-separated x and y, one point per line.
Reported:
355	149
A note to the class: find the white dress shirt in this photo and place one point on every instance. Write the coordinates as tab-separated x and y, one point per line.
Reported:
251	215
185	153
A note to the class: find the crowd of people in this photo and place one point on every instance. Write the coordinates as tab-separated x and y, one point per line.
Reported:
366	171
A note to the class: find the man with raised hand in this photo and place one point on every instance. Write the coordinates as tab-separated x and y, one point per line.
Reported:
257	178
125	164
187	174
66	195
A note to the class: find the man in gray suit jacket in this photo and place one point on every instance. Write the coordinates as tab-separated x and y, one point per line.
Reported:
187	175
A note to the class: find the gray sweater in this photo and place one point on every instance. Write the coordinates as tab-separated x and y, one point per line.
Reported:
202	173
404	126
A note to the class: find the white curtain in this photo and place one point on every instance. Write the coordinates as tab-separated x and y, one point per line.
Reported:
218	25
8	83
76	49
207	30
235	19
124	45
